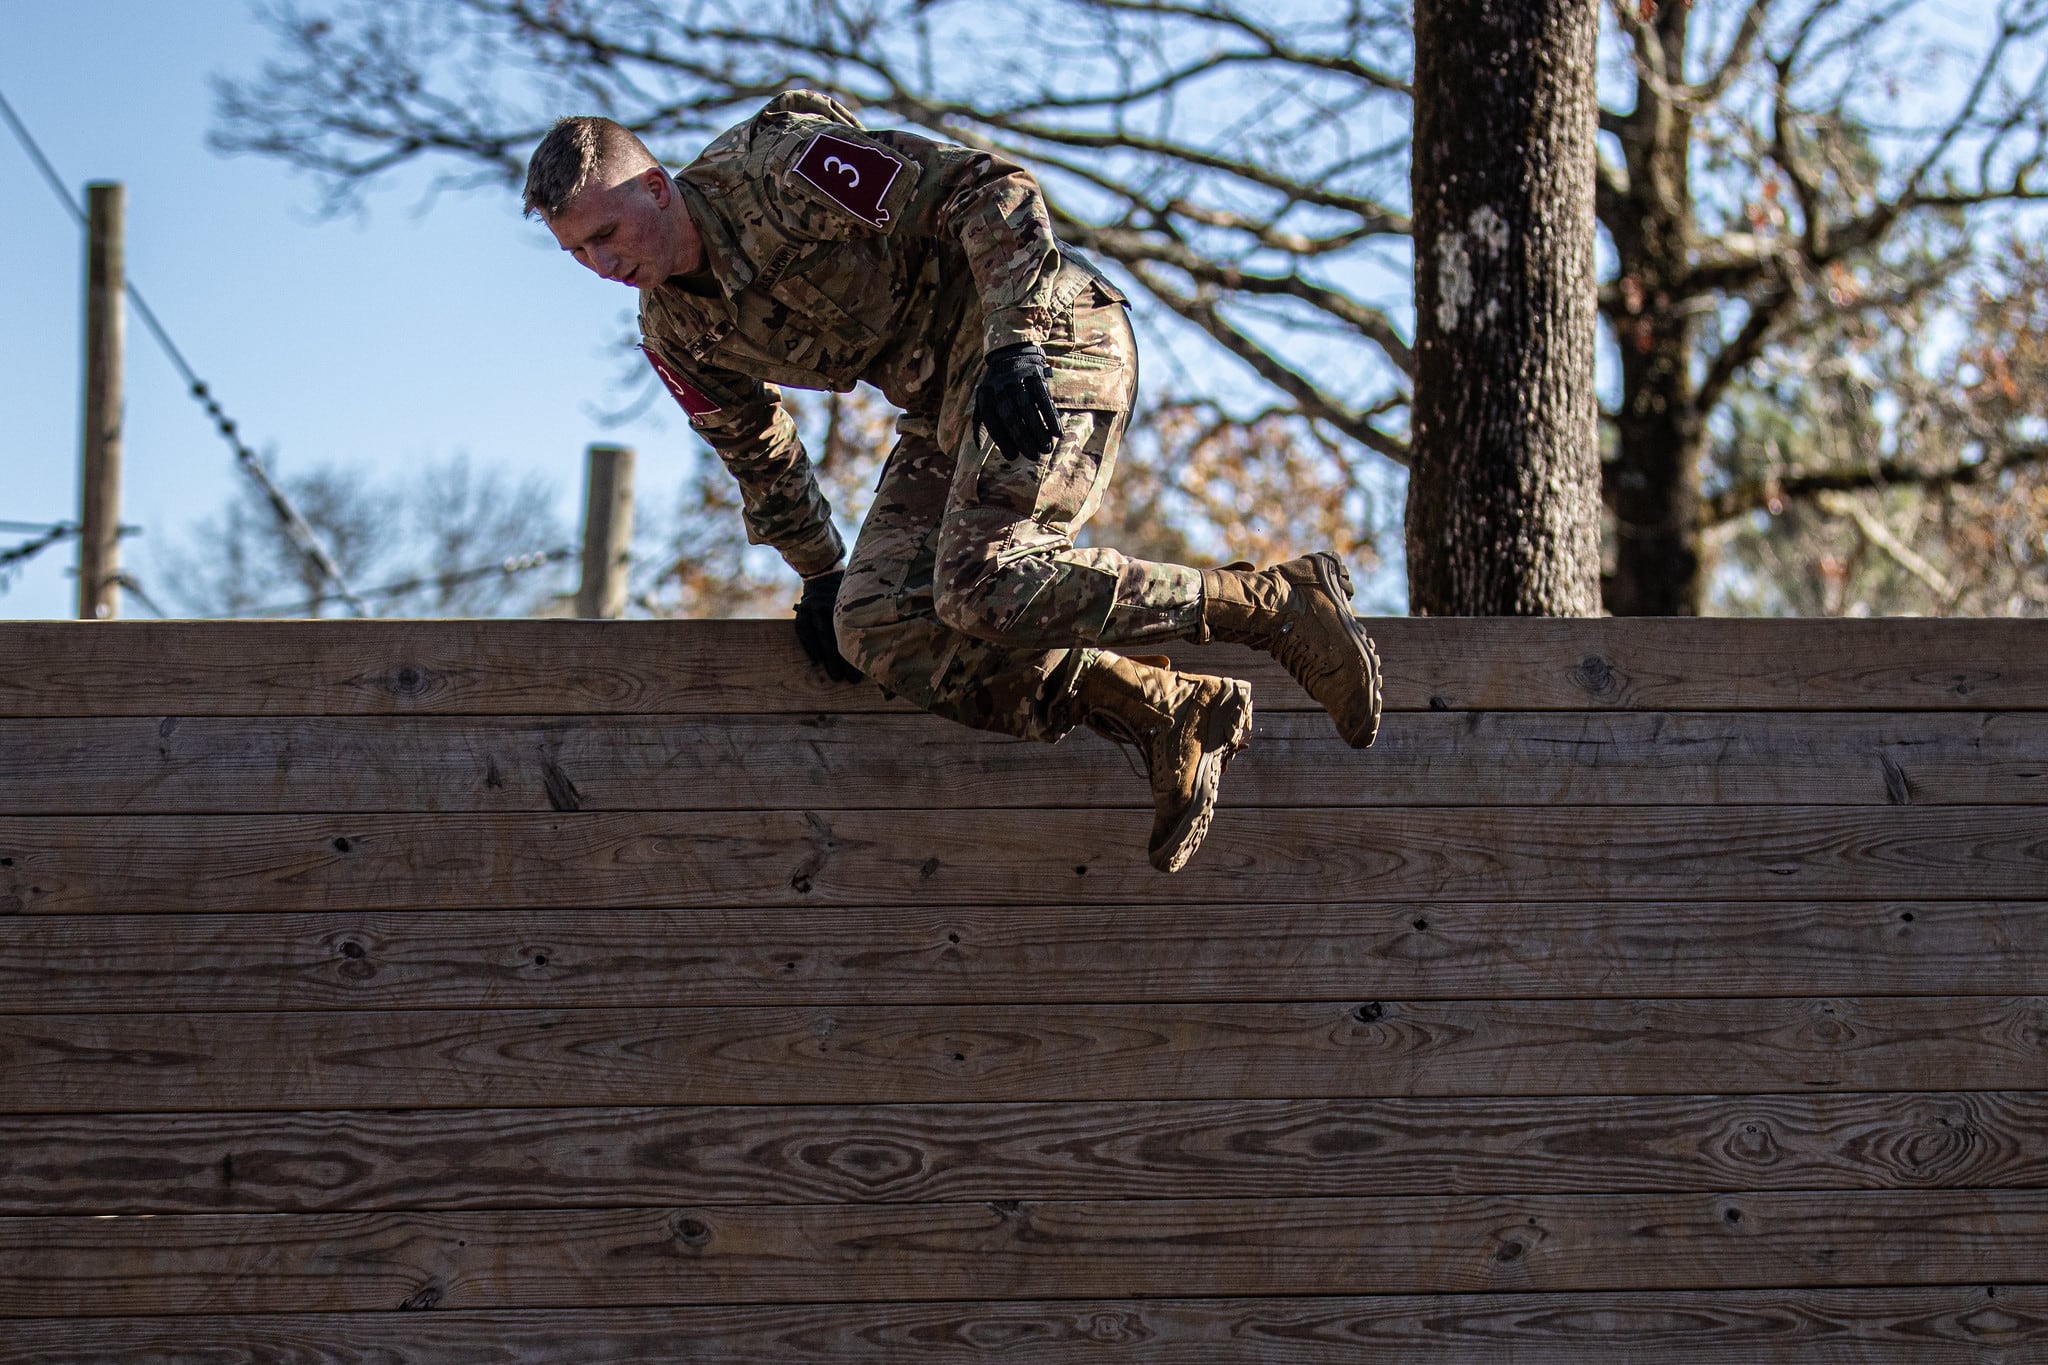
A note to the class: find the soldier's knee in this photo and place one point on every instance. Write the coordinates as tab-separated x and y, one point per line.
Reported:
961	602
1004	606
858	638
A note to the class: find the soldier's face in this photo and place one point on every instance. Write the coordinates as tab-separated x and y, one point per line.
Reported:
635	232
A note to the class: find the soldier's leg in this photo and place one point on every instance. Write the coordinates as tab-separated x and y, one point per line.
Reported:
1008	570
1186	727
890	629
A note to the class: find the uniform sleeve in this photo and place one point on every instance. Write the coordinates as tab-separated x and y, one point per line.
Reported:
745	422
991	207
994	209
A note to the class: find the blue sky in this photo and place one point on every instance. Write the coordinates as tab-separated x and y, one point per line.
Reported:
383	341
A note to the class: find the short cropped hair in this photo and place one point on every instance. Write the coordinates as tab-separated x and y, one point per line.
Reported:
573	154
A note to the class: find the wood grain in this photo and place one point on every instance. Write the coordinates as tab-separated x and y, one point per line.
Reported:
607	985
259	765
1233	951
242	1263
1963	1325
363	1161
190	668
884	1055
87	864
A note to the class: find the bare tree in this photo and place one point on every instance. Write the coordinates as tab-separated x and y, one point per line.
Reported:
1771	164
1870	534
1828	156
450	541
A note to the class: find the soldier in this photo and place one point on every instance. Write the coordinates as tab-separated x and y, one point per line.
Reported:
802	249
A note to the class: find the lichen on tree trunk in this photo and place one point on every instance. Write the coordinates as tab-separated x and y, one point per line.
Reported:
1504	490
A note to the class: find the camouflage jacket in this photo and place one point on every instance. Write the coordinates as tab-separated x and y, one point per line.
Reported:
835	255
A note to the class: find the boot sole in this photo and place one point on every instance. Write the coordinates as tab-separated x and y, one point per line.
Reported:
1335	579
1233	711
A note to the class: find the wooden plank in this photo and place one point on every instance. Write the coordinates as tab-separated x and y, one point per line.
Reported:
437	1059
1962	1325
260	765
252	1263
148	864
367	1161
1234	951
154	668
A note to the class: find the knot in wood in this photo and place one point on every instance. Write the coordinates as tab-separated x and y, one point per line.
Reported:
1753	1144
1114	1327
1596	676
872	1163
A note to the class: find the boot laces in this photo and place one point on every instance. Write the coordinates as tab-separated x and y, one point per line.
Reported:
1126	739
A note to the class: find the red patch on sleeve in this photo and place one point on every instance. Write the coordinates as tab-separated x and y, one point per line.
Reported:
852	175
687	395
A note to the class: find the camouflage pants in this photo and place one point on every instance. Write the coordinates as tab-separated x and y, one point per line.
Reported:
966	593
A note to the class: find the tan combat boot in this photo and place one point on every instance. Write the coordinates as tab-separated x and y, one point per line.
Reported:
1185	725
1300	613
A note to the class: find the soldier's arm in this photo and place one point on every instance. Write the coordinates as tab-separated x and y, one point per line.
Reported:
745	422
995	210
990	206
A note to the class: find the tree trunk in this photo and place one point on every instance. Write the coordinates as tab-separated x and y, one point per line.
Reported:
1504	490
1654	484
1658	570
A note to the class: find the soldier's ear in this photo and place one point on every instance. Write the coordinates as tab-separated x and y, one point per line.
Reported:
658	185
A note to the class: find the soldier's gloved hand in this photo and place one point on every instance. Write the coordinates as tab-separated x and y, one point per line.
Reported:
1014	401
814	626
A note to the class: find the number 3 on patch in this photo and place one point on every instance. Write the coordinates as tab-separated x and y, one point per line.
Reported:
853	175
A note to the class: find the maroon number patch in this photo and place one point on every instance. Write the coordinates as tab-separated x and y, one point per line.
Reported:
687	395
852	175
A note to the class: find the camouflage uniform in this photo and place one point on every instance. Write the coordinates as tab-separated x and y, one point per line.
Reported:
836	255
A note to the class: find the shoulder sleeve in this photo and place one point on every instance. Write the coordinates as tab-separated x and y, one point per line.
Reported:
996	211
745	422
828	181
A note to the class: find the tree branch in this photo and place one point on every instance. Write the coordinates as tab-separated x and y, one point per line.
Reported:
1313	401
1744	346
1749	497
1132	247
1880	535
1740	50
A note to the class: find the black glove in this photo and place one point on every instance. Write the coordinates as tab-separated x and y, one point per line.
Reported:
1014	403
814	626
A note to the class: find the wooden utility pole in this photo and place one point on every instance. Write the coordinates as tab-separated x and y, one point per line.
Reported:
99	552
607	532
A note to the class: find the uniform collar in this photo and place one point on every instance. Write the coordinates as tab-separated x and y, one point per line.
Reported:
729	265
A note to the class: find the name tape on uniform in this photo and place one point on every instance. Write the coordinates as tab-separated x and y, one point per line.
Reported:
687	395
852	175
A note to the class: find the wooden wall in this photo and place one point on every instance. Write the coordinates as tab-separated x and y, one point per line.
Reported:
473	992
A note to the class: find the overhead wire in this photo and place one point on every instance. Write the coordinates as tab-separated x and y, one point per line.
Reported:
48	533
126	582
15	555
505	568
296	527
